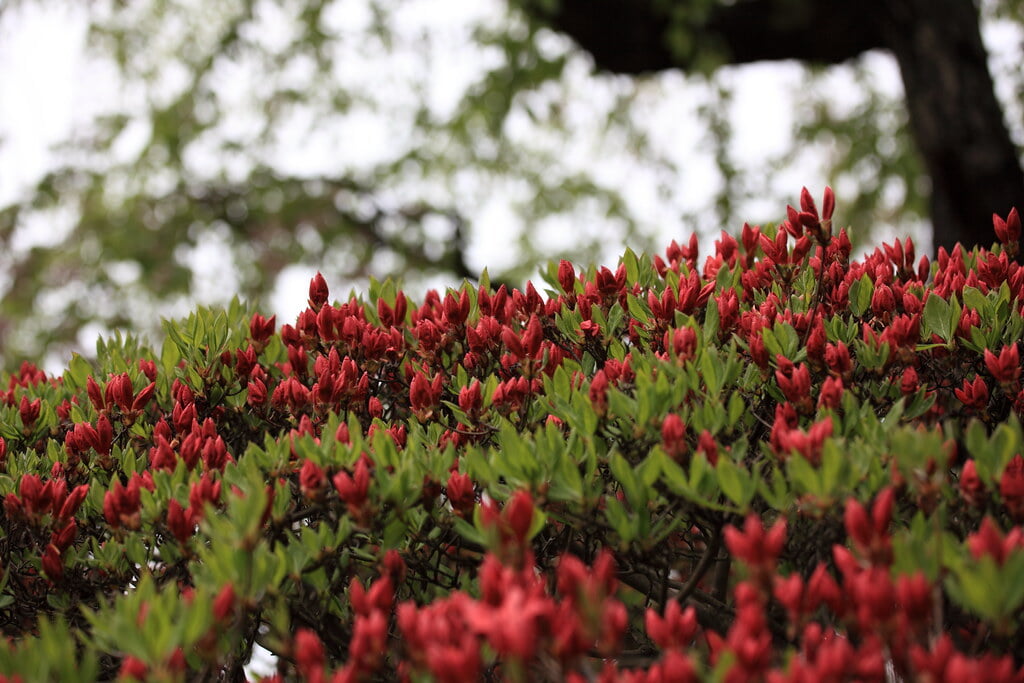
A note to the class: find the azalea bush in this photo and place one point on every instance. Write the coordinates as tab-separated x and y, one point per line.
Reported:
772	462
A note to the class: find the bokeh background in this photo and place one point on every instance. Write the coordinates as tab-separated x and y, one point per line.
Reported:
163	153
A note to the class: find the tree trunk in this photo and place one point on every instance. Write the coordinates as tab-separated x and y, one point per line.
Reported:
955	118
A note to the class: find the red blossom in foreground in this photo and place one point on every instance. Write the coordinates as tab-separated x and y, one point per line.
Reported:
676	629
1005	367
1008	231
308	653
758	548
971	486
373	452
461	493
991	542
1011	488
353	488
870	535
974	394
132	668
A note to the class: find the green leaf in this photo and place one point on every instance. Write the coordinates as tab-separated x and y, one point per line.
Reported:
937	317
861	292
711	322
736	484
631	486
620	519
638	309
632	266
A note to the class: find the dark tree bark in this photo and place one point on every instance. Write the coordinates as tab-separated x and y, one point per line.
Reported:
955	119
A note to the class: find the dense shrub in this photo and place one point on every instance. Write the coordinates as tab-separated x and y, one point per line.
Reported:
774	463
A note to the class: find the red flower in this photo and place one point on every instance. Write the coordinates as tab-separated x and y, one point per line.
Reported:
682	342
871	536
599	392
882	301
909	382
353	489
831	394
424	394
312	479
753	545
121	504
309	653
1007	231
795	382
470	399
224	603
179	521
518	515
566	277
1005	367
461	493
65	536
318	292
132	667
821	587
29	411
973	394
914	594
673	435
380	597
971	486
1011	488
53	565
206	490
675	630
989	540
261	328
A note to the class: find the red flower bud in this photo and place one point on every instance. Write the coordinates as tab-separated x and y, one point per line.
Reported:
179	521
518	515
309	653
1007	231
312	479
143	397
673	435
1011	488
73	502
261	328
224	603
53	565
990	541
971	486
460	492
675	630
753	545
133	668
318	292
1005	367
973	394
909	382
566	277
29	411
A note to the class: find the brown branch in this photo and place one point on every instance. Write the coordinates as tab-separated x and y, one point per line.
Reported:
634	36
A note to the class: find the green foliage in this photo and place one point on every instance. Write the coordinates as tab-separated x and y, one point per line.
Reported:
320	489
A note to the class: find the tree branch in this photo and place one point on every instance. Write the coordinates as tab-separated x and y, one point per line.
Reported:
635	36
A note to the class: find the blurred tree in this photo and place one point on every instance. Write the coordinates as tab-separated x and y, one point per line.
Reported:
375	137
955	118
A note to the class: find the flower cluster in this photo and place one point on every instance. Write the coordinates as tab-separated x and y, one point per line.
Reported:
776	462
